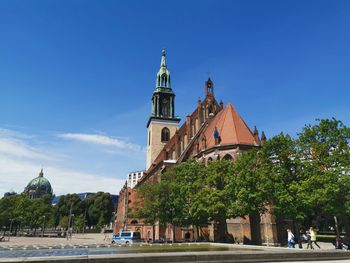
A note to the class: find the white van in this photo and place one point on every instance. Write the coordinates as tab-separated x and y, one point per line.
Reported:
127	237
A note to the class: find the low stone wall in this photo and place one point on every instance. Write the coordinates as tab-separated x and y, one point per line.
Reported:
271	255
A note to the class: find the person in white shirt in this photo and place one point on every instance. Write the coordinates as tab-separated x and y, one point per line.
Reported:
291	240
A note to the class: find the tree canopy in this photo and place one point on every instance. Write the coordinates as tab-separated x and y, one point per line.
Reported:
305	179
19	211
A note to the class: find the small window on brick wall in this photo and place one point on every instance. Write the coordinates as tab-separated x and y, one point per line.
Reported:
165	134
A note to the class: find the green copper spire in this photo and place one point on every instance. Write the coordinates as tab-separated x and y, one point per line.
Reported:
163	99
163	76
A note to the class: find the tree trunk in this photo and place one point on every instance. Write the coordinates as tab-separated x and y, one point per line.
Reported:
298	234
255	232
221	231
336	226
173	241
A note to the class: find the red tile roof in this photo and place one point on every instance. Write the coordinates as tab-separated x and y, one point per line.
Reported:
231	127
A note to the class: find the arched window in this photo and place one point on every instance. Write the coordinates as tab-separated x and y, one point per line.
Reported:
227	157
165	134
134	222
210	109
164	80
210	89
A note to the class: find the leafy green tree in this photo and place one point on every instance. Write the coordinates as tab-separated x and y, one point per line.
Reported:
64	222
65	204
79	223
7	213
279	157
100	204
325	153
146	204
170	201
101	222
215	195
249	189
189	180
178	188
41	211
22	211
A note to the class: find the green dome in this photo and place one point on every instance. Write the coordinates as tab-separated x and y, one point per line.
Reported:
38	187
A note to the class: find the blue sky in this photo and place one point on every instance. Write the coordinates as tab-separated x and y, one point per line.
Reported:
76	77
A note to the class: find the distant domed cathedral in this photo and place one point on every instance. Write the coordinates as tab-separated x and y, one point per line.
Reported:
38	187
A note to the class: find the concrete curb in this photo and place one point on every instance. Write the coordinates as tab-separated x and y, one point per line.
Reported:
255	254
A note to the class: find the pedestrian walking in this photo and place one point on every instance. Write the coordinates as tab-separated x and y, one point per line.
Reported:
313	237
291	239
308	240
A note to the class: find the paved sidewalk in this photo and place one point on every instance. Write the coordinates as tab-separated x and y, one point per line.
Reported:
323	245
77	239
91	239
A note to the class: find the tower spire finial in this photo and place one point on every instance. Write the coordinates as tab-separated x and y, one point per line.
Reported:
162	62
163	76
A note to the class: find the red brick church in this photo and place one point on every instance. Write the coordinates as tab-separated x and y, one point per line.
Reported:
213	131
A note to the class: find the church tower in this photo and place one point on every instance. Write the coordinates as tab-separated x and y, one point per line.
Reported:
162	123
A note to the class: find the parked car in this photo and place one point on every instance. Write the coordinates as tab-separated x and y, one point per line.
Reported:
127	237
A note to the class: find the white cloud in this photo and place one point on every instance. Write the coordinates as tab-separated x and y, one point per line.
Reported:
103	140
15	175
13	144
20	162
18	149
78	181
13	134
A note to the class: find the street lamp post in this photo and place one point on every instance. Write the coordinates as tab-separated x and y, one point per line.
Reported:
69	233
71	227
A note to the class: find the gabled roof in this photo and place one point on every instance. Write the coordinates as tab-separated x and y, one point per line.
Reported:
231	127
233	131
